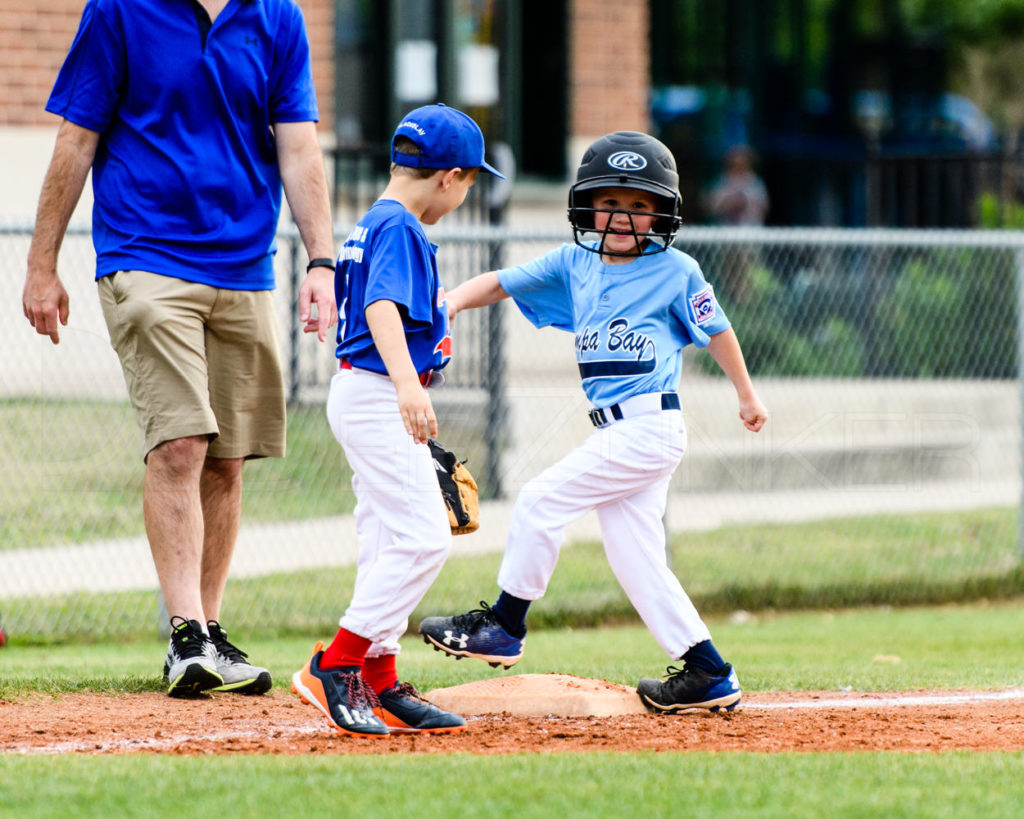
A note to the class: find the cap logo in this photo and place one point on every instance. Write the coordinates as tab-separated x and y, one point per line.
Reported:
627	161
410	124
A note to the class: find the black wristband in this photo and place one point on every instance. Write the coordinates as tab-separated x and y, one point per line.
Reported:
322	262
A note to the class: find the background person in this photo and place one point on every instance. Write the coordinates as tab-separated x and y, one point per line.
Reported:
739	195
738	198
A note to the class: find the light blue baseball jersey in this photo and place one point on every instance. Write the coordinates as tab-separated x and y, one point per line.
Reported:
631	320
388	256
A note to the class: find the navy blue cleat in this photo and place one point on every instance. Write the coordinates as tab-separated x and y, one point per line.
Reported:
690	687
405	711
476	633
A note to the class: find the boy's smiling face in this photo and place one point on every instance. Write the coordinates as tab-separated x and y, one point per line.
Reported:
627	227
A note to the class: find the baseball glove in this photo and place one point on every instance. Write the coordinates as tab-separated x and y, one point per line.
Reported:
457	488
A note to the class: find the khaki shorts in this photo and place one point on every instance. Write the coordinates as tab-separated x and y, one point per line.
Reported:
198	360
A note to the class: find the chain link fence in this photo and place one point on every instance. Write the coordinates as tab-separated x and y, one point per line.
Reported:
888	472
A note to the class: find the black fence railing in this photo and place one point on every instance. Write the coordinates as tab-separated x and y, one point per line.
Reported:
897	190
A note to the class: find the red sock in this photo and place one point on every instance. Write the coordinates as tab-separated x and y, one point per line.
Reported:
380	672
347	649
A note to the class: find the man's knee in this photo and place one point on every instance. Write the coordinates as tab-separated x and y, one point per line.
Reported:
179	456
223	469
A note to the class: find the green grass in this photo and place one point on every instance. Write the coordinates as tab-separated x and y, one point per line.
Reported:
528	786
922	559
88	486
974	646
891	560
945	647
881	559
73	472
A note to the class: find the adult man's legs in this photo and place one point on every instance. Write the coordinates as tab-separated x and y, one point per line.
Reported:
192	506
220	491
173	514
197	361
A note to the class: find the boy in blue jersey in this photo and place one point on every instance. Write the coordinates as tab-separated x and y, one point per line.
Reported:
192	117
633	302
393	340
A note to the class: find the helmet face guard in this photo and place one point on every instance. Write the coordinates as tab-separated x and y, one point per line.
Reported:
632	160
583	221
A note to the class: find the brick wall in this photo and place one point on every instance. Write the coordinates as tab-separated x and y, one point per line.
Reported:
610	67
609	62
319	16
34	42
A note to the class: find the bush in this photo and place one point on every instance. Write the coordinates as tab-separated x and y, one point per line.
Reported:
951	315
929	313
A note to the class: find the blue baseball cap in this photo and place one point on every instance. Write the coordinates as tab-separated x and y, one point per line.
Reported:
446	137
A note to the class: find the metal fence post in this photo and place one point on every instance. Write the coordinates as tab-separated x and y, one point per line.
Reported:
1019	266
294	331
499	193
497	410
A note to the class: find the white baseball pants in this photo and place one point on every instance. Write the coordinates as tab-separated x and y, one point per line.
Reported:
623	471
401	520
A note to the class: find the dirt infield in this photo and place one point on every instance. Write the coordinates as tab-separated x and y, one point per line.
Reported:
279	724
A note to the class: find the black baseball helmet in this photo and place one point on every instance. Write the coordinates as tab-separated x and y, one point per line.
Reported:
627	159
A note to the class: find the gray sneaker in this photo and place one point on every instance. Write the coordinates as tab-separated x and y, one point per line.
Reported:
191	664
240	676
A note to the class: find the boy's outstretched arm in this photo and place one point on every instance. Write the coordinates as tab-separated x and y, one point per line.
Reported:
725	349
476	292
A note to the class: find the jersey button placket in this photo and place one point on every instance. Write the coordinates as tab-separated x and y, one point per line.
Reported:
604	302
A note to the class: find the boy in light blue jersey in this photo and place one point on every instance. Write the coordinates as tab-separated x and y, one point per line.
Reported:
633	302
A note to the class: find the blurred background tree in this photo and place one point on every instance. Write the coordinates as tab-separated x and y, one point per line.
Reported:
861	112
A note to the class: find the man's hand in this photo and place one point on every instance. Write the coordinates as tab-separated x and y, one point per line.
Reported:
44	299
45	303
318	289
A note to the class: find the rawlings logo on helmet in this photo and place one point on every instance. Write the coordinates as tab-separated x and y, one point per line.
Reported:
627	161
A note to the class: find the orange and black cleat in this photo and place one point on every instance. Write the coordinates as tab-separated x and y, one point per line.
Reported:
342	695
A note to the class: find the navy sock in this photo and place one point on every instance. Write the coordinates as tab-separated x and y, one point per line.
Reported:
705	656
511	613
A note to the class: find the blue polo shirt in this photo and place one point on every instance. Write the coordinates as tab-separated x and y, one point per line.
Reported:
185	179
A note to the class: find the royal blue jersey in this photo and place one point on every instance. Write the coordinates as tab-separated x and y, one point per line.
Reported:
185	178
388	256
631	320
